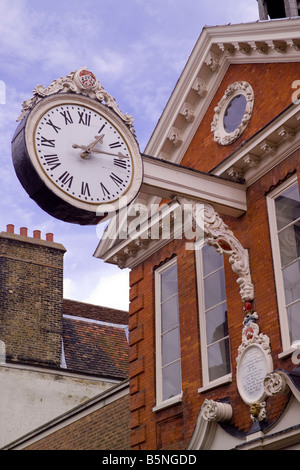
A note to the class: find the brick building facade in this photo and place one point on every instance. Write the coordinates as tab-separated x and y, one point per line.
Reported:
214	319
61	361
214	330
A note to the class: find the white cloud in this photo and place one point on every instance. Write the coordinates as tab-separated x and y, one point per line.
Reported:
111	291
137	49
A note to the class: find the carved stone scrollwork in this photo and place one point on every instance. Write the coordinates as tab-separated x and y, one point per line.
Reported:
82	82
275	384
222	238
215	411
251	335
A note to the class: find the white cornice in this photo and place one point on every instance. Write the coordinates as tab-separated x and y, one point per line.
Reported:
264	150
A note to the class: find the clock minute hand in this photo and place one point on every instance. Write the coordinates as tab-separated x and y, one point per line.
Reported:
119	154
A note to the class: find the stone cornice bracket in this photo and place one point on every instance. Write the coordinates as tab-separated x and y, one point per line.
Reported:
82	82
222	238
215	411
200	87
174	136
213	61
187	111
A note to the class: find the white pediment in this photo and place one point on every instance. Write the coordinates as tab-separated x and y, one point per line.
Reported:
217	48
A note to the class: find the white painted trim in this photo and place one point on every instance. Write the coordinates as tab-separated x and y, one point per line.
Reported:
284	328
206	382
160	403
167	180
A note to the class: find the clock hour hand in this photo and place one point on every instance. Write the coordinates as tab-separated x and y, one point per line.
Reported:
87	148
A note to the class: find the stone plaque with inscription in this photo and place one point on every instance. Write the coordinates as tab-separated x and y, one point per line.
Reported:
254	363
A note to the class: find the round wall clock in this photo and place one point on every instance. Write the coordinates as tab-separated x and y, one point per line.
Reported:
77	158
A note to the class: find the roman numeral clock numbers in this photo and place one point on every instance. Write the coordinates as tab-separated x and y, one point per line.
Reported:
75	152
83	154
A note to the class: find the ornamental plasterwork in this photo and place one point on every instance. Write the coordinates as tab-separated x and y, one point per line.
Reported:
187	111
222	238
254	362
175	137
250	336
200	87
286	133
275	384
216	411
268	147
82	82
213	61
217	126
258	411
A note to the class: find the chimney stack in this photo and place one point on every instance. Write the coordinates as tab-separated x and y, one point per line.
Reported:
272	9
31	297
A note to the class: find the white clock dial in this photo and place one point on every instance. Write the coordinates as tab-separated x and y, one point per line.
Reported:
82	153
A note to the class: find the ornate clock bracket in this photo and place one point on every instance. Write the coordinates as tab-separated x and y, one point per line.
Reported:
218	235
82	82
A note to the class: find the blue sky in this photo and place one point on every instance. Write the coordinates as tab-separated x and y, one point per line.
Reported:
137	49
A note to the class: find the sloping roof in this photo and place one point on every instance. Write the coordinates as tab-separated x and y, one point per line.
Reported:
95	312
95	341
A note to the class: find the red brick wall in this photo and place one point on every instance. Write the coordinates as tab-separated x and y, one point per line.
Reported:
272	87
172	427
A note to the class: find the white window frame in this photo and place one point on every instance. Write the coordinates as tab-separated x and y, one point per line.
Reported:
160	403
206	382
287	348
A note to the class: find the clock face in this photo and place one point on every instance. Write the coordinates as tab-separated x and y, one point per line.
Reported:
82	153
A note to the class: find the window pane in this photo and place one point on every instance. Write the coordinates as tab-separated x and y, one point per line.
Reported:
214	288
289	243
291	280
171	380
170	346
293	313
169	283
216	323
234	113
170	314
212	260
218	359
287	206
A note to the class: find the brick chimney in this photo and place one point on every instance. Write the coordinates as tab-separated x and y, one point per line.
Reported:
31	297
